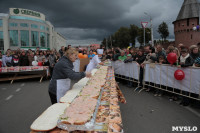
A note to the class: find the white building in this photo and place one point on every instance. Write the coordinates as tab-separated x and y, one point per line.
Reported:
23	28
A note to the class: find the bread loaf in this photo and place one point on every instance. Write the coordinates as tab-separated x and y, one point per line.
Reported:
48	119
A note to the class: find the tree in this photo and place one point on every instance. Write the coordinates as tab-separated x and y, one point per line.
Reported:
104	42
122	37
134	30
141	35
163	30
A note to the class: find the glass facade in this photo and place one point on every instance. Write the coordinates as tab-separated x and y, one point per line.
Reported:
13	24
34	38
24	37
42	39
26	18
34	26
24	25
42	27
1	41
13	37
1	22
47	40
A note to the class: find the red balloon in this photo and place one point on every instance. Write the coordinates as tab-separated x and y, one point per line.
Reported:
179	74
40	64
171	57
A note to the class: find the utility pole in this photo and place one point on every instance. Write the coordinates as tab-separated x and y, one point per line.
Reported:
144	24
152	40
111	41
106	44
144	36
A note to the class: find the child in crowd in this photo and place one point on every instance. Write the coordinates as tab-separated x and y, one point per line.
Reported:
128	59
161	60
185	59
45	62
15	60
91	55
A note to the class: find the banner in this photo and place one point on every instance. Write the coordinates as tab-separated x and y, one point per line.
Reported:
164	75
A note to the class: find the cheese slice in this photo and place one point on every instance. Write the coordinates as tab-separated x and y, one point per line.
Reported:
48	119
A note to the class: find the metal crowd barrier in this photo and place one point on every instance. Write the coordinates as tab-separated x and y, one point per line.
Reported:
161	77
127	71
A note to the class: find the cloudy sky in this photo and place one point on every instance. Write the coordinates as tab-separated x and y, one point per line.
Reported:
89	21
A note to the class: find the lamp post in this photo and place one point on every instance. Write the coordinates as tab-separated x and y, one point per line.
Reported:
152	41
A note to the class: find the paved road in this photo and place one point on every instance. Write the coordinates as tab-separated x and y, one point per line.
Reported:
22	102
145	113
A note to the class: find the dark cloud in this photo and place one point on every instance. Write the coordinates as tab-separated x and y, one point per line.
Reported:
96	19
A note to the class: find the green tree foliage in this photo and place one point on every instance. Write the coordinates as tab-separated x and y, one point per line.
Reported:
163	30
141	35
122	37
134	30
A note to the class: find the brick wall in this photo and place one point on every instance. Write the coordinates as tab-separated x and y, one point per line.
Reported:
183	30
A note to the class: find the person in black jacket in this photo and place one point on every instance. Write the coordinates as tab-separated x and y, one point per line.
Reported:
159	52
194	52
23	59
62	51
140	58
185	60
63	73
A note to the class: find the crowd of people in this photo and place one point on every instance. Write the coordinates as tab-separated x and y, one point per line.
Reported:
187	56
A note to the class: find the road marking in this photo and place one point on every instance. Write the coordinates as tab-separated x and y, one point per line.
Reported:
9	97
22	84
18	89
193	111
3	88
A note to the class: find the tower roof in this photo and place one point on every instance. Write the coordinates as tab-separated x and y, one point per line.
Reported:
189	9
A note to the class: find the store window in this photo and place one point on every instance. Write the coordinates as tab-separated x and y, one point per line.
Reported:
24	25
1	41
13	37
1	23
42	27
24	37
47	40
34	26
42	39
34	38
13	24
